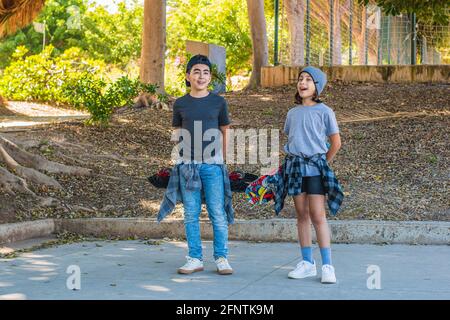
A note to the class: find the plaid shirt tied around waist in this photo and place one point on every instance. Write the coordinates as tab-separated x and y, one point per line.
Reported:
190	171
288	181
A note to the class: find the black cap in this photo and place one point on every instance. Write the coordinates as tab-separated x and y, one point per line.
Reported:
197	59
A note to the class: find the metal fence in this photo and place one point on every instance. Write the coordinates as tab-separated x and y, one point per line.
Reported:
342	32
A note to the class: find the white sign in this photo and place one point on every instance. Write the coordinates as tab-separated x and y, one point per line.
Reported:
39	27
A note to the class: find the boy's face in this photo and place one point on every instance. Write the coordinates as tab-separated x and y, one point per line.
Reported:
305	86
199	77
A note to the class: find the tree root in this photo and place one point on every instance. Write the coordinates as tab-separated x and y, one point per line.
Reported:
21	167
40	163
27	173
11	183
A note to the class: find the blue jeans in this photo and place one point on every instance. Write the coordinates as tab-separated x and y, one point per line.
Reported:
212	186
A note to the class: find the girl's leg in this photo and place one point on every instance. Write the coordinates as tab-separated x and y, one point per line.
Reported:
304	225
319	220
317	213
306	267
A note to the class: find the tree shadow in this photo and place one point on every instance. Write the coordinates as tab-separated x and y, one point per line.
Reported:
5	111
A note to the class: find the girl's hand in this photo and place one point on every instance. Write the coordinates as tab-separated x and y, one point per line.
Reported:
335	141
273	171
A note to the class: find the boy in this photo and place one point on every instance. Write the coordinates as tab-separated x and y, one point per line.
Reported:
198	117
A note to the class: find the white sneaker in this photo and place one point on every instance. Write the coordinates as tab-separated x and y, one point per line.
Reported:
328	275
304	269
192	265
223	267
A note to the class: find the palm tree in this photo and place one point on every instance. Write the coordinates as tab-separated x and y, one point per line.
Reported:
16	14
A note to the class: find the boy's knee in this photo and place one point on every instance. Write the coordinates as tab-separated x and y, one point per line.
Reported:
190	217
217	215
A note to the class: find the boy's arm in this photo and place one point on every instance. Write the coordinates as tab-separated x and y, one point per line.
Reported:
335	141
224	130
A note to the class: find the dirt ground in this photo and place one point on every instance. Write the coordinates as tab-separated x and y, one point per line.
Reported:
393	165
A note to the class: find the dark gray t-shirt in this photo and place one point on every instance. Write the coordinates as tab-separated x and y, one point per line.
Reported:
203	114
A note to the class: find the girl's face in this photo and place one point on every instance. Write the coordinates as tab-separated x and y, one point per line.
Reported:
199	77
305	86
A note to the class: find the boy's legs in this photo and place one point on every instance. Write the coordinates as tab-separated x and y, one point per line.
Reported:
212	182
192	204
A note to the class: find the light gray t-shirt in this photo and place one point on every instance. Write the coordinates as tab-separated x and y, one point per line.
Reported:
308	129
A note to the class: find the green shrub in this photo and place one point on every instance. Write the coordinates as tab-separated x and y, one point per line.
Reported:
100	98
40	77
71	79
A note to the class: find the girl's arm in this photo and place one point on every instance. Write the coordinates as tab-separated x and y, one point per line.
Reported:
335	141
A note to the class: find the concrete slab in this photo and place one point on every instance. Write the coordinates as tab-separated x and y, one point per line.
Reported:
137	270
13	232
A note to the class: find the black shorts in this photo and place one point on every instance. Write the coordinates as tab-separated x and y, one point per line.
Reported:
313	185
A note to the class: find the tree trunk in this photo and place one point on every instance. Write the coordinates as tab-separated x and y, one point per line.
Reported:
153	43
259	40
362	38
337	39
295	11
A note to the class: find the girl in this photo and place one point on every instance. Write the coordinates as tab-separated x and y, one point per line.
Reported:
305	173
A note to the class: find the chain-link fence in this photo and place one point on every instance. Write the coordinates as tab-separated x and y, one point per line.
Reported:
342	32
